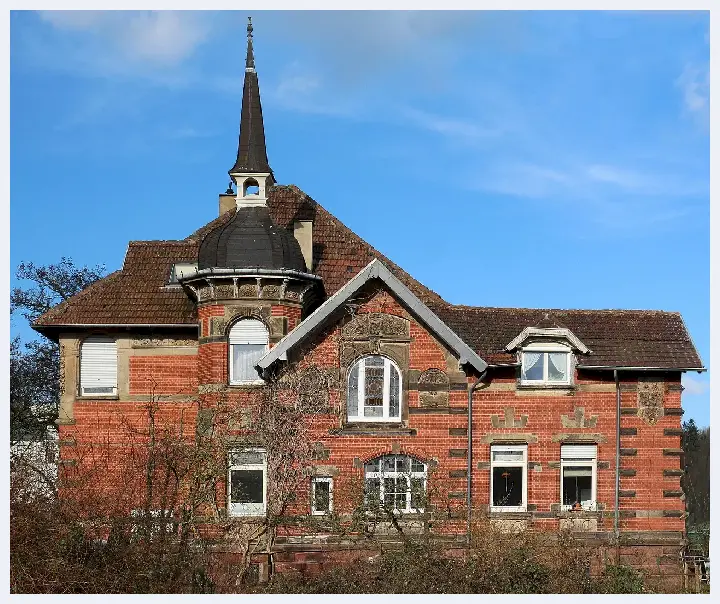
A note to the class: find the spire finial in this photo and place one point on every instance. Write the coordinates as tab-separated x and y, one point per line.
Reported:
250	60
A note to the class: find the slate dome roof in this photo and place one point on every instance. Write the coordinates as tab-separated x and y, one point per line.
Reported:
251	239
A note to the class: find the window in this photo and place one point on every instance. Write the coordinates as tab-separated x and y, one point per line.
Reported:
248	344
374	390
396	482
546	364
98	366
321	495
182	269
578	480
247	481
508	479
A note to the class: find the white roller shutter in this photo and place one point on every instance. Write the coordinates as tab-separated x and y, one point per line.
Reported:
249	331
578	452
98	366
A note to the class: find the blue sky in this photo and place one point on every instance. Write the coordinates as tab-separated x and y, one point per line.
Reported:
538	159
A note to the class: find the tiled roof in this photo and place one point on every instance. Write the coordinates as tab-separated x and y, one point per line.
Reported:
138	294
616	338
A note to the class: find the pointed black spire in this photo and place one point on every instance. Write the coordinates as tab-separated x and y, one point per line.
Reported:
252	154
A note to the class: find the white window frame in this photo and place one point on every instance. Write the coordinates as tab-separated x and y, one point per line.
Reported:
409	476
509	464
314	481
545	349
247	509
231	371
360	417
568	461
83	370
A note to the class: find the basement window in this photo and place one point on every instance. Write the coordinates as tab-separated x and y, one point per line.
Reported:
578	481
546	365
321	495
508	478
247	483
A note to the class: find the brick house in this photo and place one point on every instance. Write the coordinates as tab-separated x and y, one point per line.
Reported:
536	417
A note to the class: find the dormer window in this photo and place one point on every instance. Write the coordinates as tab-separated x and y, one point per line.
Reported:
546	355
545	364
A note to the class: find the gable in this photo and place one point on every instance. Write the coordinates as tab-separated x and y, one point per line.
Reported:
373	271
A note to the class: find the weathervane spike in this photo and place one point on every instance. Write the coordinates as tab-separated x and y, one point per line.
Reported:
250	59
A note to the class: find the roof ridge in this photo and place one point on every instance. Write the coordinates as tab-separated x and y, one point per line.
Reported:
581	310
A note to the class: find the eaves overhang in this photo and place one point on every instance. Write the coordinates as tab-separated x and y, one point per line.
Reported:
374	270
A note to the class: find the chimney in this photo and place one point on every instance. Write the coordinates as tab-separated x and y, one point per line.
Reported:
227	200
303	231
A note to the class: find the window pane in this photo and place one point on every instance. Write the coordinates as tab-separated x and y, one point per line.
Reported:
418	466
374	381
533	365
373	465
508	456
402	464
321	501
394	392
507	486
372	491
396	491
246	486
558	366
244	358
576	489
417	493
352	400
238	458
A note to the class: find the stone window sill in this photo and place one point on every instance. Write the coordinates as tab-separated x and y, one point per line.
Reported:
99	397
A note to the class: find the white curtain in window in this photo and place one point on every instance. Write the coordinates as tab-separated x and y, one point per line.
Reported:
557	367
531	360
248	344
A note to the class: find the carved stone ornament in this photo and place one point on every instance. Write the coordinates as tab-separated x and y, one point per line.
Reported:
313	390
61	375
433	399
248	291
509	420
378	325
162	342
434	377
225	291
650	394
579	419
271	291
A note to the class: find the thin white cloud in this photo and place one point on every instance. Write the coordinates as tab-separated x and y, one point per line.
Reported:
448	126
694	386
694	83
162	38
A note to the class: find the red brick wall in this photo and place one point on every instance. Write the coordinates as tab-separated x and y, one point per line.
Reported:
97	422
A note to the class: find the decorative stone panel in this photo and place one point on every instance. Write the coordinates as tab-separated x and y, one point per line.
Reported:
376	325
161	342
578	419
313	391
433	387
650	394
509	421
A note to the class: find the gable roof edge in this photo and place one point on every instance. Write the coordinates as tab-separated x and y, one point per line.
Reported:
374	270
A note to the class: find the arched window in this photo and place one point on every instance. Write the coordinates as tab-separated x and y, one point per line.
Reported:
248	343
396	482
98	366
374	390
